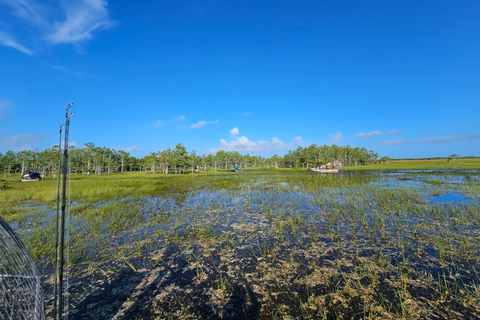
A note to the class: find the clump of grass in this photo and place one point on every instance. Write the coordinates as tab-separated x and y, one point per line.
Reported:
4	184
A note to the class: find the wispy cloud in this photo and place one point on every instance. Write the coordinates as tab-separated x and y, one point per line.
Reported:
82	18
432	140
158	123
377	133
247	114
134	148
9	41
202	123
392	133
180	118
367	135
21	142
29	10
71	22
234	131
336	137
243	144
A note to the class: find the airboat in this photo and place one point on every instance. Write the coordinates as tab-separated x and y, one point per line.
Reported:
334	167
319	170
32	176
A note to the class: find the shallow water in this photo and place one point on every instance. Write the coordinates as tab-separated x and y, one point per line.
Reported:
426	220
458	198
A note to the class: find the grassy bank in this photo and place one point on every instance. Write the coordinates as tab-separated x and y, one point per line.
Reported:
421	164
105	187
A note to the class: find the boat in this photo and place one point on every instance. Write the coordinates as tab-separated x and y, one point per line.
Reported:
324	170
32	176
330	167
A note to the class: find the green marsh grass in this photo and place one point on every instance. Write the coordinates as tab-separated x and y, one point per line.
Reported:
419	164
273	244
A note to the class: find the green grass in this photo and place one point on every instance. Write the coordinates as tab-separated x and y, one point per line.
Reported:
420	164
359	245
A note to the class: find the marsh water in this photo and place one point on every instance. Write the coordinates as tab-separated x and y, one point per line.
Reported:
386	244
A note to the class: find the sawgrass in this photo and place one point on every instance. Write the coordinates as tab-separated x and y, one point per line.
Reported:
470	163
358	244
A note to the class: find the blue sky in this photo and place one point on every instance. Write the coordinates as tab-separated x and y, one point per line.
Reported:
260	77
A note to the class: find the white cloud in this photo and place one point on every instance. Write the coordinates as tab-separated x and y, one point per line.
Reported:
9	41
202	123
248	114
392	133
234	131
367	135
29	10
298	138
70	22
377	133
158	123
244	144
432	140
180	118
134	148
82	18
21	142
336	137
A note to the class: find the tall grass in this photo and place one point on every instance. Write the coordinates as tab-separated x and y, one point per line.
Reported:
352	245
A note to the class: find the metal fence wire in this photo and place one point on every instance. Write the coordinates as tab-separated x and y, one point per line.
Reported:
21	294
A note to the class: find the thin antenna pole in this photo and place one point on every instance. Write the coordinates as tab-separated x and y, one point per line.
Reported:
55	288
60	306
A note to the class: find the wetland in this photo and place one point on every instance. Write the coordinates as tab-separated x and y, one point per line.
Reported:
277	244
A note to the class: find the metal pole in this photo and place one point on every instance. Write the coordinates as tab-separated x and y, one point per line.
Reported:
55	288
38	310
60	306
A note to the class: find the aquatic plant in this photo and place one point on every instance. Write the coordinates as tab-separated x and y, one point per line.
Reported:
274	245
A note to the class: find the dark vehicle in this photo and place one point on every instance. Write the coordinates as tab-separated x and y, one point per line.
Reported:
32	176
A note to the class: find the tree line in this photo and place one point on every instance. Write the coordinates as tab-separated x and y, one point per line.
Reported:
91	159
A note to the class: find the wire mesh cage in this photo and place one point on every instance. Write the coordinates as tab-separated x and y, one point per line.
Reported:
21	294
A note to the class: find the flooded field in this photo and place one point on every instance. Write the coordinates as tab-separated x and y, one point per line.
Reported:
355	245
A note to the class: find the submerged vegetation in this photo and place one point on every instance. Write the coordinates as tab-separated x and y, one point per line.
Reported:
278	244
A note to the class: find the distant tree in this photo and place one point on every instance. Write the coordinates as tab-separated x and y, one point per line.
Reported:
9	160
221	157
384	159
48	160
275	161
123	156
453	157
25	158
90	158
180	158
193	160
165	155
